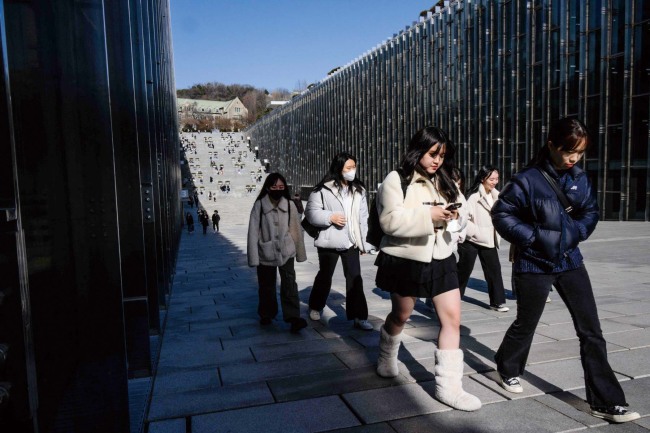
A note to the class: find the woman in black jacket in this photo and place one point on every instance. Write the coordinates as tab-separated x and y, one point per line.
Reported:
530	215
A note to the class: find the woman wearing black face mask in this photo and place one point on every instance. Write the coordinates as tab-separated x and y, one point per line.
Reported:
339	207
275	239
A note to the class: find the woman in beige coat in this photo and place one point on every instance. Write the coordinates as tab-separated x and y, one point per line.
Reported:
416	258
482	239
275	239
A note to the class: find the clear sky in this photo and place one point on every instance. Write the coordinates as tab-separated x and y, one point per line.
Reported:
274	44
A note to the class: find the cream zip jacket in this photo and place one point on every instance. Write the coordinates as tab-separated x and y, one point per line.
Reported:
406	221
480	230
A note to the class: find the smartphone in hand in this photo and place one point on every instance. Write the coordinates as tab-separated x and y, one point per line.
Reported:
453	206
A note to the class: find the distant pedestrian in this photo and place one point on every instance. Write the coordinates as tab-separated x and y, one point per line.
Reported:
189	220
215	220
205	221
190	201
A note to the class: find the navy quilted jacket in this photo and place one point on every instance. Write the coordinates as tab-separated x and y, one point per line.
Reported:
529	215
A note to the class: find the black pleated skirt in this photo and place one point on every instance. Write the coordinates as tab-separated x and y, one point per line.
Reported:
411	278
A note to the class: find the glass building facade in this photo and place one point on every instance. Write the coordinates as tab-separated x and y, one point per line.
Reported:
90	211
494	75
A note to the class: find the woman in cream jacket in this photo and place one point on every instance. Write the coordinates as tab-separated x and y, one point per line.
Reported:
416	258
275	239
482	239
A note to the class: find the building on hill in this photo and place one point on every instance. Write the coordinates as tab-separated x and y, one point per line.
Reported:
214	112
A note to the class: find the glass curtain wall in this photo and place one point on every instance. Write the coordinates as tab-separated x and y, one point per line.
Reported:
494	75
91	212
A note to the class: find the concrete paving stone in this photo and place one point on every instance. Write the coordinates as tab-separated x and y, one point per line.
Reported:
484	343
564	349
273	335
521	416
486	327
556	317
491	380
176	425
632	363
328	383
395	402
563	375
426	333
188	356
206	400
360	358
305	348
633	339
644	422
627	308
186	380
372	428
572	406
313	415
243	373
636	393
639	321
564	332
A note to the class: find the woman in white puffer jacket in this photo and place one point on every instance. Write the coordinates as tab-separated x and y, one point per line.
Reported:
338	206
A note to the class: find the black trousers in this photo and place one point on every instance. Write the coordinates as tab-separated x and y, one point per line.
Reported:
267	279
574	287
356	305
489	257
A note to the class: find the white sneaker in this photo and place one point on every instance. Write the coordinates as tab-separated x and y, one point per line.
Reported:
500	308
314	315
363	324
548	299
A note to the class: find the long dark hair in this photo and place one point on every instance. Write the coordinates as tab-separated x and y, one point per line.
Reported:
567	133
270	180
334	173
483	173
420	143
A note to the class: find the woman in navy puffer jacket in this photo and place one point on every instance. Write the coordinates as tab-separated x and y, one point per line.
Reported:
529	215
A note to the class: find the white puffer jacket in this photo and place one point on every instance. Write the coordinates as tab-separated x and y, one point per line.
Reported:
319	210
480	230
407	222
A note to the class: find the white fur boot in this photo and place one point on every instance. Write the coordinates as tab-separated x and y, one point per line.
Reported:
449	389
388	348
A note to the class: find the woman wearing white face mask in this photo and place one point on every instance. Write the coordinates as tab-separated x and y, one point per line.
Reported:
338	206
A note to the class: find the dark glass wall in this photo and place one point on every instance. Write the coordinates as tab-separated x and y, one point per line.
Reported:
90	207
494	74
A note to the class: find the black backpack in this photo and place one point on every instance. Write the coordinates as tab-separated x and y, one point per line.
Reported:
375	233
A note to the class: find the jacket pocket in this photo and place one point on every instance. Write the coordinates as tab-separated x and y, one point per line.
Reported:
288	248
266	250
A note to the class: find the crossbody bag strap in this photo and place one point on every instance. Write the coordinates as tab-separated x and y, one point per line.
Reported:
560	194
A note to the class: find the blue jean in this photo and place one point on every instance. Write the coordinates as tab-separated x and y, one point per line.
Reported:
574	287
356	305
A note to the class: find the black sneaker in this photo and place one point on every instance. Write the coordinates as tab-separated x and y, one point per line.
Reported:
297	324
614	414
511	384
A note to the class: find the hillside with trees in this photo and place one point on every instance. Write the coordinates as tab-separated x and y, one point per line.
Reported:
255	100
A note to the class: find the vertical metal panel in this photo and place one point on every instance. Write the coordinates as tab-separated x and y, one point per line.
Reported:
495	75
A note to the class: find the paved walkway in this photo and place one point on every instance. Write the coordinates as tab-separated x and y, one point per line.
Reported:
220	371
